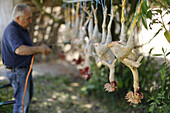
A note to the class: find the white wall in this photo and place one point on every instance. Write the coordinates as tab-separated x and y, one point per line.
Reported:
6	7
159	41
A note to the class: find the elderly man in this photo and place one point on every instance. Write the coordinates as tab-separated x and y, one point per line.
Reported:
17	51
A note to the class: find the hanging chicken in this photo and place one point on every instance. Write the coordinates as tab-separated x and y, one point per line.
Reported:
66	36
105	54
75	30
96	34
82	35
123	51
102	50
89	48
80	41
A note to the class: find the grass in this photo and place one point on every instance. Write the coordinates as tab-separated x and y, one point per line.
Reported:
6	94
63	94
56	94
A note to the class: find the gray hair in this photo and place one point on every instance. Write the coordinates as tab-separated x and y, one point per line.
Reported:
19	10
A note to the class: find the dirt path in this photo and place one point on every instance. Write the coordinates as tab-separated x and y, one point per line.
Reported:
53	68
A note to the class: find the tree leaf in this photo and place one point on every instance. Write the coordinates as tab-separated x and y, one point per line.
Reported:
149	14
150	50
151	109
168	95
163	50
168	2
168	54
167	35
151	99
41	1
144	21
159	11
144	7
157	54
153	103
155	21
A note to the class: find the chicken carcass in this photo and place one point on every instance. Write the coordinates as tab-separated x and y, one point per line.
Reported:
96	34
102	50
123	51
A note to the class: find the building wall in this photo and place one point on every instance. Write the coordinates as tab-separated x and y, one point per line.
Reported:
159	41
5	14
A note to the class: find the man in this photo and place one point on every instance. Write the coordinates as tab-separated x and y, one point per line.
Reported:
17	51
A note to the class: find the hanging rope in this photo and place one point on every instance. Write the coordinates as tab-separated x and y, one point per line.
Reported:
91	7
134	18
111	8
64	6
80	7
111	3
123	10
96	4
69	12
65	12
73	14
73	8
103	5
91	4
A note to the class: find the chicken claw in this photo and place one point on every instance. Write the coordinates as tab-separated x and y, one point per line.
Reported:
134	98
110	87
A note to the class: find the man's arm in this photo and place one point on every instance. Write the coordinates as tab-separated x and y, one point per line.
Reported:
30	50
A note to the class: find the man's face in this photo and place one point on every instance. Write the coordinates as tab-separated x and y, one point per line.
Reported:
25	20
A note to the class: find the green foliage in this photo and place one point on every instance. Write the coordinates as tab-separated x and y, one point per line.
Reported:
159	100
144	7
144	14
148	12
167	35
61	93
144	21
151	84
41	1
158	103
95	85
6	94
53	94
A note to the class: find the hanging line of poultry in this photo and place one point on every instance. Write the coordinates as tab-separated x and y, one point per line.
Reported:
93	42
90	43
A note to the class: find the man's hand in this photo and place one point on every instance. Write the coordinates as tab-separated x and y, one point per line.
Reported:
45	49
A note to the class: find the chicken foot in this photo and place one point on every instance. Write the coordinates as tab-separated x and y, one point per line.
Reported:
110	87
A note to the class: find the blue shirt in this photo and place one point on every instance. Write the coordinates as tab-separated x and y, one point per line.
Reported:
13	37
